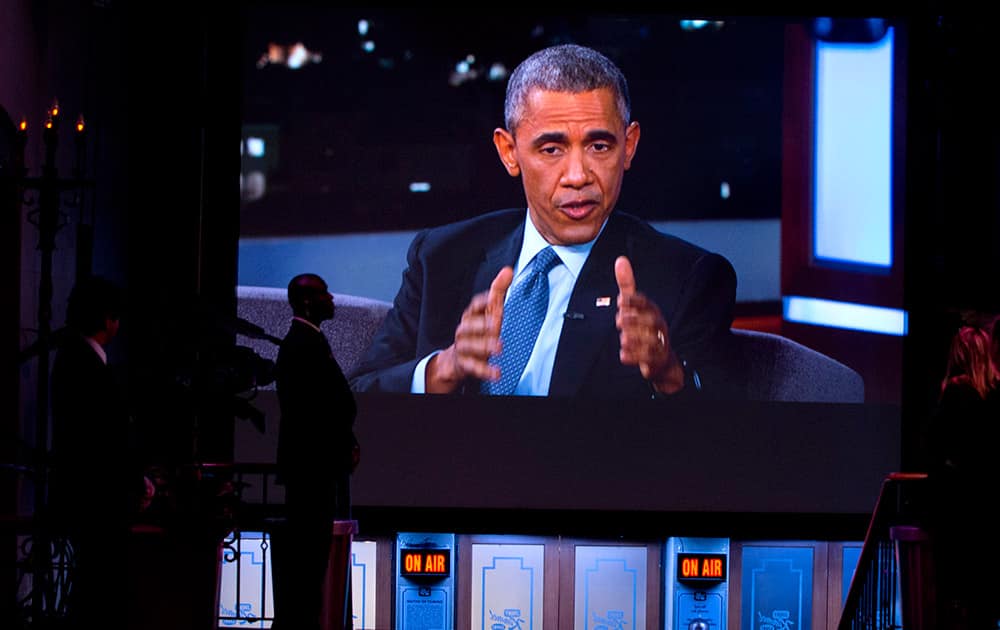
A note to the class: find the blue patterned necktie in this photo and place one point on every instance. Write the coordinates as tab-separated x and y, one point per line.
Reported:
523	315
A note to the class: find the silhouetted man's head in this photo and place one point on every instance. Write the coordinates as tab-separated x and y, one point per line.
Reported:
310	298
95	307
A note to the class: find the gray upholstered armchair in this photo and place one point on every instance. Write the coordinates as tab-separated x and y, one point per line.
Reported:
775	367
778	368
350	331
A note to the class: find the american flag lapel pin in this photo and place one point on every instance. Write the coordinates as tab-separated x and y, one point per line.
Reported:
602	301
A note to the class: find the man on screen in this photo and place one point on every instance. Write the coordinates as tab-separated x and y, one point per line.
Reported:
622	310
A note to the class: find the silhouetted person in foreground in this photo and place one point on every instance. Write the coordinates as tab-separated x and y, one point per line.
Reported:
960	447
96	483
317	452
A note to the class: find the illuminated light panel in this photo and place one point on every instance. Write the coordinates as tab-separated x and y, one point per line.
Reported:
297	56
852	202
702	567
423	562
420	187
255	147
497	72
697	25
820	312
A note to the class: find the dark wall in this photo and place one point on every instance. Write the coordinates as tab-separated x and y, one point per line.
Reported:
159	214
953	209
183	222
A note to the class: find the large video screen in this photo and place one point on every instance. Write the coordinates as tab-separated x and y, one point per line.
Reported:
362	128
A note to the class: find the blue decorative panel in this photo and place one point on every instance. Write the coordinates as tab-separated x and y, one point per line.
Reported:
425	602
424	608
246	568
689	601
246	563
610	588
849	562
507	589
777	588
363	563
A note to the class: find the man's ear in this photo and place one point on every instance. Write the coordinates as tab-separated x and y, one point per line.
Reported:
631	143
504	142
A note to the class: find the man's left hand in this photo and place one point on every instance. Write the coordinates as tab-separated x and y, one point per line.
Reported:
644	335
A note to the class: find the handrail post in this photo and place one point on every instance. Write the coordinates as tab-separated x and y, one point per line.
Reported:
914	556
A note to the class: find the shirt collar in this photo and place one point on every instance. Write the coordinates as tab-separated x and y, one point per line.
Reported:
98	349
308	323
572	256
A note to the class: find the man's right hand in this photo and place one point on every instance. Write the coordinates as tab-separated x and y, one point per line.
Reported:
477	338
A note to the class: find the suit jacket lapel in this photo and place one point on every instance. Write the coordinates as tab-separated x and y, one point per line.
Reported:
589	326
503	251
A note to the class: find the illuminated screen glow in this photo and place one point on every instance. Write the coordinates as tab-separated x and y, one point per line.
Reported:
853	179
366	149
820	312
356	166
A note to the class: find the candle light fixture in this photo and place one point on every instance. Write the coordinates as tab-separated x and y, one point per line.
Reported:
81	146
21	144
43	208
50	138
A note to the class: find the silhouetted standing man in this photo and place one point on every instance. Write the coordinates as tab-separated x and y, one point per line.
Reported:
317	452
96	484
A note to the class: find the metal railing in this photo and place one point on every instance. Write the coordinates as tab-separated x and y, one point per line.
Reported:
257	512
893	584
43	561
221	500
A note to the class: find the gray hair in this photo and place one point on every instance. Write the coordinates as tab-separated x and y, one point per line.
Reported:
564	68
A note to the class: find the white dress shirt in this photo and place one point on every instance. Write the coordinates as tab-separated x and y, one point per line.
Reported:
97	348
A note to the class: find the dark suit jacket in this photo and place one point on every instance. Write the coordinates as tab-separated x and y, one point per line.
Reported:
94	466
315	436
695	290
959	451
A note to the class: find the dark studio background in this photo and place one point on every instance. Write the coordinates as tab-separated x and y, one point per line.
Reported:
356	128
161	91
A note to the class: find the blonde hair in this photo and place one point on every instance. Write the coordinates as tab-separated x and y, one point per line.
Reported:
970	361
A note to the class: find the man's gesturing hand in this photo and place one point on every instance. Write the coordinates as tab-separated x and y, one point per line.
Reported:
477	338
643	334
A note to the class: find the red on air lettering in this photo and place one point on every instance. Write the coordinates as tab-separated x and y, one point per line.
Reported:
712	567
413	563
689	567
436	563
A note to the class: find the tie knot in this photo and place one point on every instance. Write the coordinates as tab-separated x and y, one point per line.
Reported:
544	261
